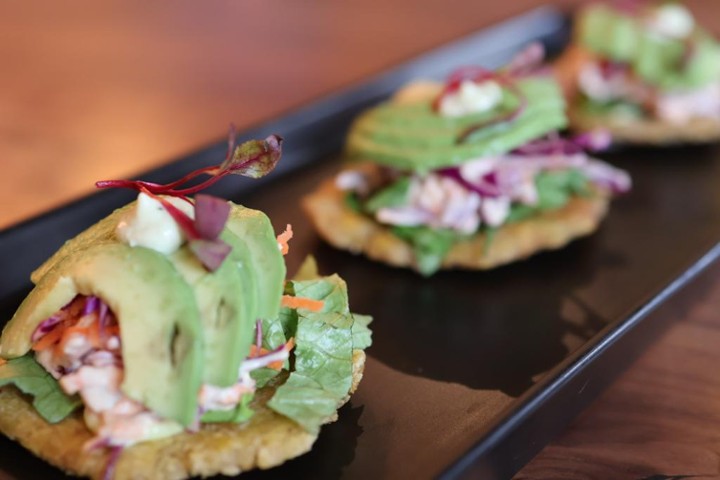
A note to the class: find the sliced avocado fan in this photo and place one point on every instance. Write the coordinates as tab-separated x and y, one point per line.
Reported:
162	343
414	137
224	304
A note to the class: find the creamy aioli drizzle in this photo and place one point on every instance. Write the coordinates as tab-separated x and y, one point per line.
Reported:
471	98
672	21
149	225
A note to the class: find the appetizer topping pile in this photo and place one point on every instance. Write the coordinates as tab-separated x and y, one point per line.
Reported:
199	222
649	60
80	347
473	90
485	193
415	134
173	311
480	153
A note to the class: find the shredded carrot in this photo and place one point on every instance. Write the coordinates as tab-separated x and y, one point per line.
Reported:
301	302
284	238
2	362
112	330
276	365
257	352
49	339
93	332
287	347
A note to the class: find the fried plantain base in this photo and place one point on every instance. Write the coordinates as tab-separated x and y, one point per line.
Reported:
267	440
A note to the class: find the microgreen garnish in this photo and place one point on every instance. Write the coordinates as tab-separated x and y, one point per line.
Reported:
211	213
254	159
524	63
258	334
211	253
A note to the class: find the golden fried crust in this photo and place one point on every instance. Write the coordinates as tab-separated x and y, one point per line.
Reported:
267	440
347	229
649	131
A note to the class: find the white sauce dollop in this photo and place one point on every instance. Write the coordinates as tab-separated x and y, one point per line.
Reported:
150	225
673	21
470	98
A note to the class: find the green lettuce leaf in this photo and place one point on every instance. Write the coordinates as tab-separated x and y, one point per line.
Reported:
30	378
394	195
361	334
263	375
555	188
273	336
520	212
430	245
616	108
241	413
324	341
352	201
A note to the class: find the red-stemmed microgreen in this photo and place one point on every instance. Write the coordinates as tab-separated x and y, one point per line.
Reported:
254	159
258	334
524	63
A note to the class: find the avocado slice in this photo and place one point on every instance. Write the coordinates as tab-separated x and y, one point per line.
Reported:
227	299
253	228
247	286
162	343
414	137
656	60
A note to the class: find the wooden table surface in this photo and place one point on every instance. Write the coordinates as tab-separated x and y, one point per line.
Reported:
92	90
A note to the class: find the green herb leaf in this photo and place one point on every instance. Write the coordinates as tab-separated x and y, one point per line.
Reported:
241	413
430	245
254	158
325	342
263	375
394	195
352	201
555	188
273	332
520	212
304	400
48	398
361	334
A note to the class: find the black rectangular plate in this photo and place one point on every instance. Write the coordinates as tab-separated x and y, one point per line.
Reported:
470	373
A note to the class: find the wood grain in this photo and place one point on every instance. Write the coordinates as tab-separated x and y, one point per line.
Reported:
91	90
662	417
